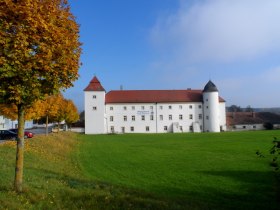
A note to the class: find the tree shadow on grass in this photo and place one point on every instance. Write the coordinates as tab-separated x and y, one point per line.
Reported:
246	190
254	189
83	193
251	190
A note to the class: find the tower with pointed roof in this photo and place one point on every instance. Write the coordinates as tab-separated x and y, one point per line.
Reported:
94	95
211	108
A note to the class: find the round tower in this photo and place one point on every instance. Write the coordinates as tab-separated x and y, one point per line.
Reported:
94	108
211	108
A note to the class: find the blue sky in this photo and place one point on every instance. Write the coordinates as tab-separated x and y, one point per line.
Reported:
179	44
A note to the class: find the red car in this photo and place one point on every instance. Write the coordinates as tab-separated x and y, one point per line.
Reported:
27	134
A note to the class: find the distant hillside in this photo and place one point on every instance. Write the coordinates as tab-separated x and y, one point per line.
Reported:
235	108
273	110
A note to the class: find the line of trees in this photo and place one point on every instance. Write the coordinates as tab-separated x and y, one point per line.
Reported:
235	108
53	108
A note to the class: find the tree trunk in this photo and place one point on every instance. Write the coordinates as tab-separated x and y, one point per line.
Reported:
47	125
20	150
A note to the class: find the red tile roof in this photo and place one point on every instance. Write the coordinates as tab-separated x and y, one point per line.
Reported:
94	85
154	96
147	96
242	118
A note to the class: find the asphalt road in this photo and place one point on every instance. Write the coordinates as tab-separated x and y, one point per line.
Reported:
40	130
35	131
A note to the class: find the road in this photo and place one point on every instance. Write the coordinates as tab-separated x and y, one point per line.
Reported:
35	131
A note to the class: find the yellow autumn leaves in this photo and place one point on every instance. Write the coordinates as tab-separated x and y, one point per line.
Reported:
55	107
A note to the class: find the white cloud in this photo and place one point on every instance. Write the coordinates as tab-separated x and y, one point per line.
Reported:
220	30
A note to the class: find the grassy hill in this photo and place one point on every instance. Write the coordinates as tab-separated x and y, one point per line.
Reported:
139	171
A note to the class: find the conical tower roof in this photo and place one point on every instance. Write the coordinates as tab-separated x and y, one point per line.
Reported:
94	85
210	87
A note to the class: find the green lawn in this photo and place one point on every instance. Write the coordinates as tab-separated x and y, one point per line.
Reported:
164	171
204	170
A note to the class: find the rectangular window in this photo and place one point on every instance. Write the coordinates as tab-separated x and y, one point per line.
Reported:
151	107
190	116
190	106
207	117
111	108
160	117
133	107
180	107
94	96
124	118
124	108
123	129
200	116
132	128
199	106
200	127
111	118
94	108
206	107
170	117
143	117
191	128
160	107
147	128
112	129
165	128
180	117
169	107
133	118
181	128
142	107
151	117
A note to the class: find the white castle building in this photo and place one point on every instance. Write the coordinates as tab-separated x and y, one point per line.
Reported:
153	111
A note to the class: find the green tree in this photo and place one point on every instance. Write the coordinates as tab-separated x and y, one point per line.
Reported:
234	108
39	55
249	109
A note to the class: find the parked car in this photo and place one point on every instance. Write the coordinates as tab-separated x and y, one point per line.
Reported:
27	134
6	135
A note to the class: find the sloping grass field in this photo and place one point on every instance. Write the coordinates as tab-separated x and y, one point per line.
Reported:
143	171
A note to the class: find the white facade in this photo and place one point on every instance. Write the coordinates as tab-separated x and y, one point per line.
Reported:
154	117
6	124
95	112
113	116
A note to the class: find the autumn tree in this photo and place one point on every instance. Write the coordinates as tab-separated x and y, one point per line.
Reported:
50	107
72	114
66	111
33	112
39	55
